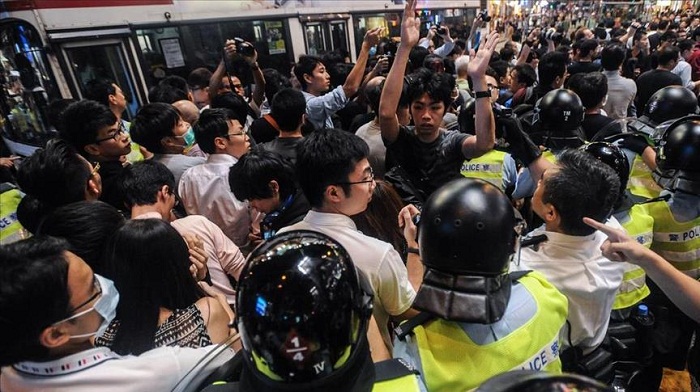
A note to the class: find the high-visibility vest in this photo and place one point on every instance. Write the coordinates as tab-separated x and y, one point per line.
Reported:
488	167
451	361
640	226
677	242
10	228
640	182
395	375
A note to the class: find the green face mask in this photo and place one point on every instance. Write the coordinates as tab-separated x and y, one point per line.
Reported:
189	137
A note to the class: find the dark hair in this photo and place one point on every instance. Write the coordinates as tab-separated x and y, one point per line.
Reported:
213	123
232	102
339	73
82	121
274	82
438	86
288	108
99	90
591	87
489	72
327	157
416	57
250	177
582	186
612	56
685	44
87	226
174	81
501	68
663	24
199	78
638	36
551	65
526	74
152	123
507	53
149	263
55	110
380	217
166	93
306	65
373	94
668	36
586	47
668	54
51	177
33	295
139	183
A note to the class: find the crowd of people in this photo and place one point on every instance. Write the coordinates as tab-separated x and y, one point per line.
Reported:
443	211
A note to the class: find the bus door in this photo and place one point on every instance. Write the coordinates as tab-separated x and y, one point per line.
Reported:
323	35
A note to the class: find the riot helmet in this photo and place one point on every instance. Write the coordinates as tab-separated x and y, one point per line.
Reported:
468	233
537	381
556	120
678	156
670	103
612	156
302	311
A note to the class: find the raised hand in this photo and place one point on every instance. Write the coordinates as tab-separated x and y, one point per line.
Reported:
480	62
372	36
410	25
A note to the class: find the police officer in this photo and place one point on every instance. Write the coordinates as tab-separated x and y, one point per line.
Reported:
676	238
303	313
477	320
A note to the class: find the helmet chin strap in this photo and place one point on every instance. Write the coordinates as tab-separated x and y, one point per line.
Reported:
678	180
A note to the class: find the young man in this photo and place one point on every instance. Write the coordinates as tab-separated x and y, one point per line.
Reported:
204	189
551	71
149	191
53	306
288	113
621	91
654	80
160	128
95	132
430	155
315	82
592	88
338	182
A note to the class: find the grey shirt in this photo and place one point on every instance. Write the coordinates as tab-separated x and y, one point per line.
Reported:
621	92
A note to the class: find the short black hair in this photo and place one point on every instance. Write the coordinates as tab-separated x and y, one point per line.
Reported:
152	123
234	103
213	123
55	110
325	158
438	86
140	183
668	54
685	44
663	24
81	122
582	186
612	56
526	74
33	295
551	65
250	177
306	66
501	68
86	225
166	93
99	90
175	81
586	47
199	78
288	108
591	87
51	177
274	82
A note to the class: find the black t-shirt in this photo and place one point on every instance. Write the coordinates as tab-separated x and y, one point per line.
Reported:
110	172
583	67
430	165
652	81
286	147
262	131
592	123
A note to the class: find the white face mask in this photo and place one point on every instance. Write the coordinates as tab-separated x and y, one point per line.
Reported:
105	306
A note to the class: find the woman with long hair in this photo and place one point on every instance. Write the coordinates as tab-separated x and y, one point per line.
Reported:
160	303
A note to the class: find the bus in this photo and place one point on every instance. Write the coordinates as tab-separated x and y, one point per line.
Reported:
50	49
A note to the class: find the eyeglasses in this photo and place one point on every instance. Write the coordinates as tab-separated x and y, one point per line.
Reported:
98	291
114	135
369	180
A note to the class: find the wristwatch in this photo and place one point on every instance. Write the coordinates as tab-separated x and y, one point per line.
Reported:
482	94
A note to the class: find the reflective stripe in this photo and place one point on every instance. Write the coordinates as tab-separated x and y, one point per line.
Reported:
488	167
10	228
406	383
677	242
546	355
639	225
678	236
640	182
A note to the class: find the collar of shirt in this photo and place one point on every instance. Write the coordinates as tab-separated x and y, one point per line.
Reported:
69	364
149	215
316	218
222	159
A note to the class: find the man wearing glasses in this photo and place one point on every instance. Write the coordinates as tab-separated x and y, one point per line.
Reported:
338	182
96	133
53	306
204	188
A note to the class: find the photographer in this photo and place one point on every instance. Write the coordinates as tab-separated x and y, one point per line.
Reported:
222	81
444	33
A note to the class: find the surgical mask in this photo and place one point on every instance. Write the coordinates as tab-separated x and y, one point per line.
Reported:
105	306
189	137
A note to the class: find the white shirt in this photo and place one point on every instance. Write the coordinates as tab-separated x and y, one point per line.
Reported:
178	163
576	267
393	293
157	370
204	190
684	70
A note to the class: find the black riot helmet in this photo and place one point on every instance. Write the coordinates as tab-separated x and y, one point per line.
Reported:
678	156
612	156
302	311
670	103
536	381
468	228
559	110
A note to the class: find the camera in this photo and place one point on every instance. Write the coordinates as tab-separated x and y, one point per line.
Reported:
484	15
244	48
441	30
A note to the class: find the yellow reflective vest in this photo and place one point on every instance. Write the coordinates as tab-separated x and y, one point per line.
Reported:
640	182
10	228
488	167
452	361
677	242
640	226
